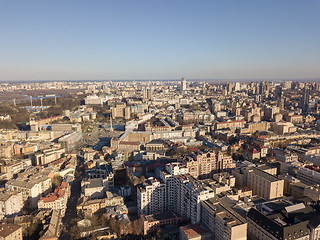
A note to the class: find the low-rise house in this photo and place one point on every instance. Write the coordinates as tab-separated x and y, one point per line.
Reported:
151	223
195	232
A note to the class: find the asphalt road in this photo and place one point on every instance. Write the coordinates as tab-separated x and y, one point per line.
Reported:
71	211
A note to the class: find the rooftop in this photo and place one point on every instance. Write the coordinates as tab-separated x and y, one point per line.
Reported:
8	229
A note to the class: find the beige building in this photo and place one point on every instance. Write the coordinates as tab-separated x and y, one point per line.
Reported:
203	165
120	111
308	176
230	124
91	206
194	232
264	184
224	222
6	150
10	232
31	188
151	223
281	128
47	156
56	200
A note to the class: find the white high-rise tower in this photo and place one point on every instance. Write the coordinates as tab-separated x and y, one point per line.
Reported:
183	85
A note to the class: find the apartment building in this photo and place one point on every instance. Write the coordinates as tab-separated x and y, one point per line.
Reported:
286	156
6	150
190	193
10	203
308	176
56	200
223	221
52	230
10	232
31	188
229	124
89	207
12	167
47	156
203	165
264	184
175	191
120	110
151	197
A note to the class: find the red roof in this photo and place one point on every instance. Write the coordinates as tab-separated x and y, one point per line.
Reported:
58	192
194	230
255	151
194	149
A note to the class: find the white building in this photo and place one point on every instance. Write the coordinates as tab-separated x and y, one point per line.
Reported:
183	85
10	203
151	197
31	188
176	192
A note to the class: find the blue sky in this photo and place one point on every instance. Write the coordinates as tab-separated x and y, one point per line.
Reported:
168	39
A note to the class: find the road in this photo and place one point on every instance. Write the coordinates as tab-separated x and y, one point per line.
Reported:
71	211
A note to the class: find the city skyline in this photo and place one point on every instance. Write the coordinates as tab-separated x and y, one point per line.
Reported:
159	40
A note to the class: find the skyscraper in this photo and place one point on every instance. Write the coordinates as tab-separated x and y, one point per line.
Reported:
278	92
304	103
183	85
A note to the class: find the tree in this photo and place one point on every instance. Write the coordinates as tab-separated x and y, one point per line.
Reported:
74	231
137	226
114	226
56	181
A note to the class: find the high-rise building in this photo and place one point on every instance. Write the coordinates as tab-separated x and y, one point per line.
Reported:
151	197
287	85
149	93
183	85
144	92
237	87
278	92
175	192
305	98
262	88
229	87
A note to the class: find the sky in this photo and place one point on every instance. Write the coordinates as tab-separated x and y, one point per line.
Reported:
167	39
